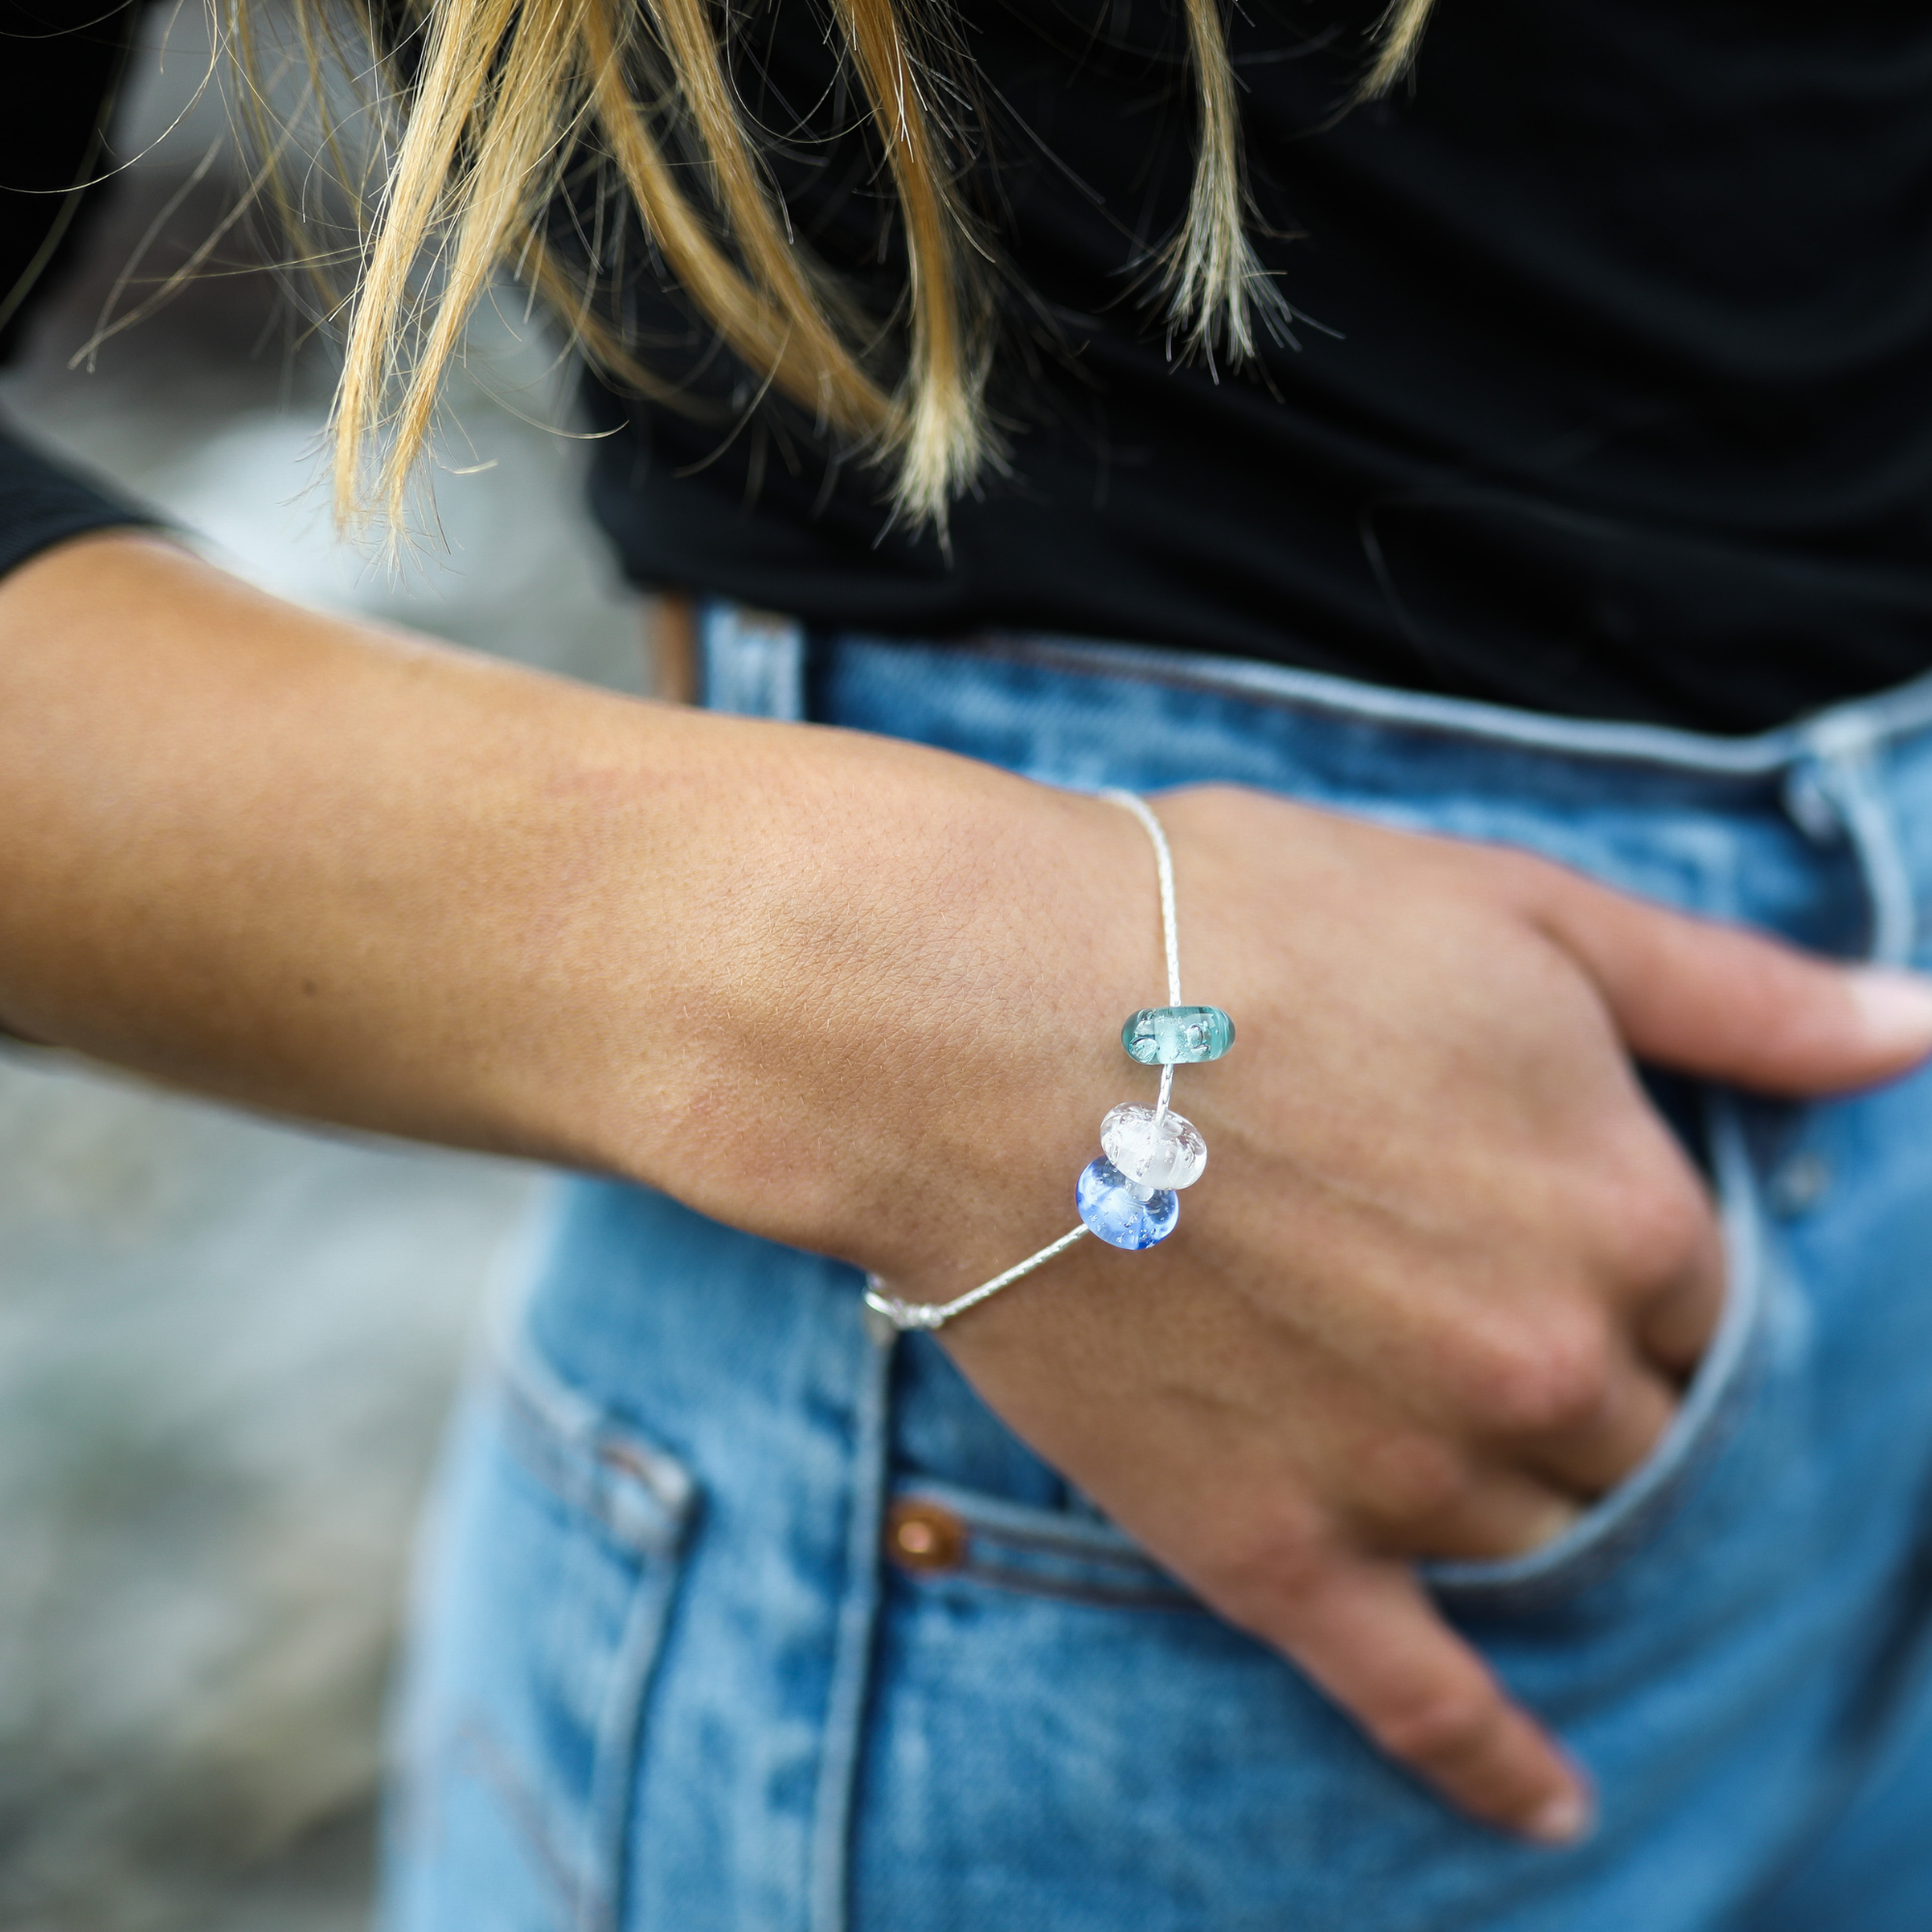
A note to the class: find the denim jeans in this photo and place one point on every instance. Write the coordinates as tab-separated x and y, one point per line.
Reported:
680	1664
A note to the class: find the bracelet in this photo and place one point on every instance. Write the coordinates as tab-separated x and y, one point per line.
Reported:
1129	1195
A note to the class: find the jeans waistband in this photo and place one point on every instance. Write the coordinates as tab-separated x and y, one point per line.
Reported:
1827	769
754	664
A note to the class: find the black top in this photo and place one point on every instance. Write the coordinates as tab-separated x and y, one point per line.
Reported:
59	66
1613	392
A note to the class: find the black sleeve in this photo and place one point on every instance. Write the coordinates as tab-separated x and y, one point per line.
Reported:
60	65
42	503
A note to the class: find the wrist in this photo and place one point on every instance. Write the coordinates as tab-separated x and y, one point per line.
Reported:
899	1029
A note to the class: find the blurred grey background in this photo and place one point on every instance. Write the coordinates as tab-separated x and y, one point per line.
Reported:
227	1346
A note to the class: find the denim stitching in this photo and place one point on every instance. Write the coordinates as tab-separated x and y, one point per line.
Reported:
619	1750
850	1690
1874	720
1094	1596
476	1748
1846	775
1076	1543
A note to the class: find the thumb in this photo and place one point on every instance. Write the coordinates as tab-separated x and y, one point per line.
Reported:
1734	1005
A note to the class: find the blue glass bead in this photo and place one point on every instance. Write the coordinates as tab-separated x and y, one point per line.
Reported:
1111	1205
1176	1036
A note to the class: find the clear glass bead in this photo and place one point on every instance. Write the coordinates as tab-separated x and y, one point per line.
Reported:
1123	1215
1175	1161
1177	1036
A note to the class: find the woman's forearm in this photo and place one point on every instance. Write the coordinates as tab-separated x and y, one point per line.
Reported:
335	873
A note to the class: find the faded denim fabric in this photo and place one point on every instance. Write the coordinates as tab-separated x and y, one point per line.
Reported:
667	1679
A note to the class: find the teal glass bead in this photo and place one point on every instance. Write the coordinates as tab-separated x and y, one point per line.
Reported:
1177	1036
1123	1215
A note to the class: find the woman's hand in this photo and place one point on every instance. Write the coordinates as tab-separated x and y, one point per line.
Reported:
1447	1270
1435	1292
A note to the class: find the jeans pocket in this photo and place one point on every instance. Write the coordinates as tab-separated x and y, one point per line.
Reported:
1621	1522
550	1568
938	1532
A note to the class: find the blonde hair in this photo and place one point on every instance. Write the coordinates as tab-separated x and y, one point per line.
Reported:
504	94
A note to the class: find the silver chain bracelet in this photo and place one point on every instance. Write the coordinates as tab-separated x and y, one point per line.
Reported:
1128	1196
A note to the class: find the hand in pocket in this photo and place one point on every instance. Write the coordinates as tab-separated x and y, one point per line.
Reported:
1448	1269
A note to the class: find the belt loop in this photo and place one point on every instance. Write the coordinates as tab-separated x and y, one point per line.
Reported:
754	662
1842	771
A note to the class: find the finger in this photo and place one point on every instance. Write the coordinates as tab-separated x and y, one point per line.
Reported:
1371	1638
1507	1513
1589	1459
1675	1326
1732	1005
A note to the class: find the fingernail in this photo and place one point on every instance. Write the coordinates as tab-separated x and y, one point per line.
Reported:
1894	1006
1561	1820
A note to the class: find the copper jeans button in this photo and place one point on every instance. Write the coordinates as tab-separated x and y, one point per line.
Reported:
925	1536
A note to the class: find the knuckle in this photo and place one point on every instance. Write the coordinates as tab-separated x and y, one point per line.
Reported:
1541	1375
1659	1225
1413	1479
1276	1562
1510	869
1439	1728
1286	1570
